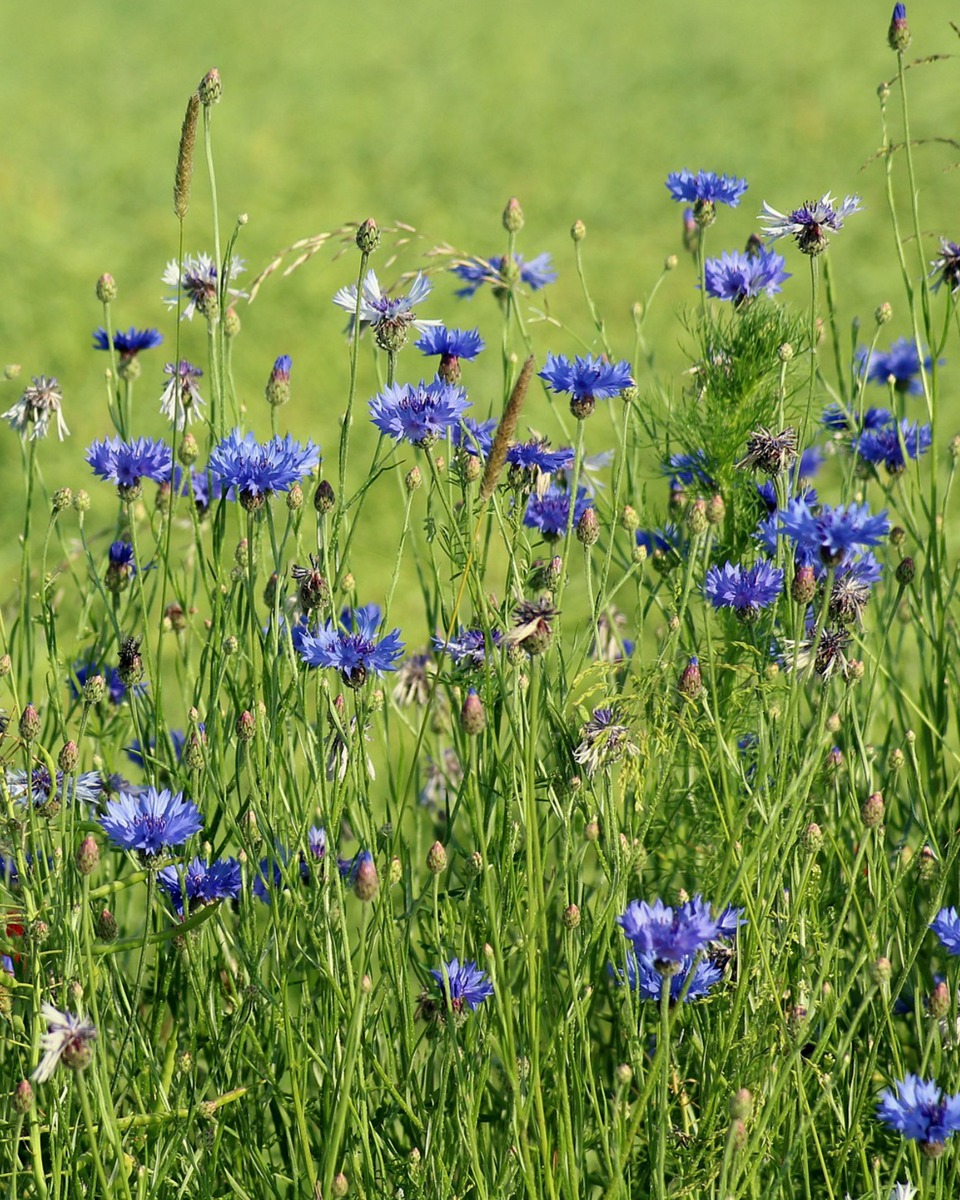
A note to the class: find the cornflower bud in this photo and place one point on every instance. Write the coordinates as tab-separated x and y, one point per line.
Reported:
881	970
896	759
106	289
474	865
872	811
68	757
741	1105
906	571
513	216
23	1096
939	1000
927	864
898	35
81	501
30	724
804	585
591	831
246	726
473	719
436	859
785	352
623	1075
716	509
62	499
671	262
366	883
324	498
588	528
812	838
231	322
295	497
231	644
368	236
629	519
88	855
413	479
341	1185
697	517
6	665
395	871
691	681
210	89
277	390
578	231
571	916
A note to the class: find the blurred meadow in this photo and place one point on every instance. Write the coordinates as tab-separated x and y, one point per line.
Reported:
431	114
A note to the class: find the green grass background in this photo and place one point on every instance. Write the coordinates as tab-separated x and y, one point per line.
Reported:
432	113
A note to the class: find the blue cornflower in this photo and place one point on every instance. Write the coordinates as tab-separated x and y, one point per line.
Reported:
43	789
178	740
255	469
643	977
127	344
836	418
901	363
730	920
469	646
768	495
704	190
946	268
116	689
418	413
151	822
536	456
810	223
667	934
946	925
536	273
743	277
667	542
744	589
829	534
269	876
685	469
180	400
474	437
121	567
585	380
126	463
893	444
203	882
921	1112
550	512
197	283
451	345
353	654
390	316
206	488
465	985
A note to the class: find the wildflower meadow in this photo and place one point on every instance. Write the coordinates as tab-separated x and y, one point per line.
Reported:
527	770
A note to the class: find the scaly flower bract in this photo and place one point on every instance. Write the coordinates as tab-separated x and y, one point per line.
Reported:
465	984
151	822
550	512
744	589
127	344
920	1111
353	654
255	469
180	400
418	413
204	882
126	463
197	283
810	223
536	273
68	1039
667	934
742	277
705	187
36	406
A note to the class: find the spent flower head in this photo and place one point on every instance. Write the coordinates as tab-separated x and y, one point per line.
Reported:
32	413
68	1039
945	269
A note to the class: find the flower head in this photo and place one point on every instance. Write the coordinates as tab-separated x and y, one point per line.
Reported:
128	344
901	364
49	792
151	822
744	589
585	380
196	283
535	458
81	671
893	444
829	534
603	741
255	469
946	268
705	190
474	437
465	985
921	1112
180	400
533	625
126	463
418	413
352	647
743	277
550	513
693	980
470	646
810	223
68	1039
946	925
501	274
665	934
390	317
36	406
452	345
203	882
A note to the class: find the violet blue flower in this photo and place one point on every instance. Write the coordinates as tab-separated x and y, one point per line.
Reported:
464	984
585	380
353	654
535	274
151	822
667	934
705	187
203	882
550	512
810	223
742	277
921	1112
127	463
127	344
256	469
744	589
418	413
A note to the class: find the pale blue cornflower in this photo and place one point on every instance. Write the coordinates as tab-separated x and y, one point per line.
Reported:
196	284
390	317
68	1040
33	411
810	223
180	401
